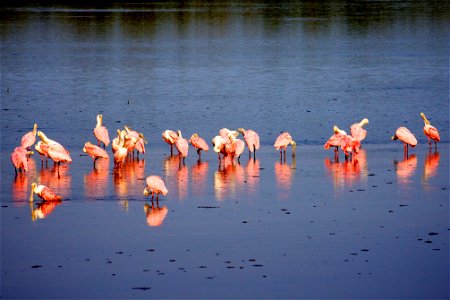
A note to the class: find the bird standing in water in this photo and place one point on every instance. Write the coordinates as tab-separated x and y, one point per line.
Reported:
403	134
430	131
281	143
357	131
155	186
170	137
29	138
101	133
45	193
95	152
251	138
198	143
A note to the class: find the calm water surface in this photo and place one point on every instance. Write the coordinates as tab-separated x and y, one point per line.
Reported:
309	227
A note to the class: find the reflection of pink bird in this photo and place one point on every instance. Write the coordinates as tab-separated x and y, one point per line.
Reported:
282	141
430	131
403	134
155	185
182	145
251	138
357	131
170	138
95	152
29	138
45	193
19	159
100	132
199	143
155	215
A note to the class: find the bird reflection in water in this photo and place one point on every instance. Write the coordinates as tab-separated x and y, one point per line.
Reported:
345	174
199	173
128	178
431	166
21	183
56	177
228	178
43	209
155	215
252	169
96	182
284	174
177	174
405	169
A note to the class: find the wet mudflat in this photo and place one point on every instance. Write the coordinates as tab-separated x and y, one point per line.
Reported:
302	228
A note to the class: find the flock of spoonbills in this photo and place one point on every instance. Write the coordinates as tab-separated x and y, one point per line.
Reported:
225	143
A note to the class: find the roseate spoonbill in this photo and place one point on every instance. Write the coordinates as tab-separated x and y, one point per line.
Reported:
138	138
56	146
430	131
95	152
219	143
116	141
357	131
224	132
42	149
236	146
170	138
140	144
101	133
155	185
349	146
403	134
121	152
335	141
19	159
29	138
251	138
45	193
198	143
182	145
282	141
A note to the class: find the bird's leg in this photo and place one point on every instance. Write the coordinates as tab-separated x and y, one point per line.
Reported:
199	154
171	150
239	157
15	170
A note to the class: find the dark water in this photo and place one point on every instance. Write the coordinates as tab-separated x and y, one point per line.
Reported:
376	227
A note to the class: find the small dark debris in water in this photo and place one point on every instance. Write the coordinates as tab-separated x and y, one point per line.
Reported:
428	242
113	274
419	239
261	169
436	249
433	233
202	267
361	190
391	211
119	252
146	270
142	288
118	121
83	155
389	182
252	260
181	269
351	191
284	209
403	205
208	207
244	222
371	174
444	189
332	233
374	186
354	253
231	267
36	266
308	110
257	265
59	266
172	260
365	250
150	250
4	206
264	276
210	277
287	213
87	259
227	262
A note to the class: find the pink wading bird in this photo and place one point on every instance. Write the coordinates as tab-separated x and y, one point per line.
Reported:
349	146
19	159
120	155
198	143
139	141
101	133
281	143
335	141
170	137
430	131
29	138
357	131
236	146
155	185
54	144
219	142
95	152
42	149
45	193
182	146
403	134
251	138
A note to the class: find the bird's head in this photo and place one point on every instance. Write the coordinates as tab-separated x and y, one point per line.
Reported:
147	192
364	122
241	130
425	118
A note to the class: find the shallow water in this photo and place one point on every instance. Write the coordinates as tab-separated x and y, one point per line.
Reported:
305	228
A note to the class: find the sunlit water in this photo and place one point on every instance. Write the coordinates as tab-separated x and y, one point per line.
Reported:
307	227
